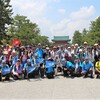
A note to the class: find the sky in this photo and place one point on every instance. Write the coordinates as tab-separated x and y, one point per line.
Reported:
58	17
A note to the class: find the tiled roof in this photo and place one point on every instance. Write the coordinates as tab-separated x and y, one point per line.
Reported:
61	38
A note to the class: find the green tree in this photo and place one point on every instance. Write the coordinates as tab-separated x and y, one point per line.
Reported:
95	30
84	35
5	17
26	31
41	39
77	38
23	29
93	35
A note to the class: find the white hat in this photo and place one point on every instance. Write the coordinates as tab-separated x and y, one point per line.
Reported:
13	51
95	44
5	52
47	48
39	44
76	44
54	47
69	47
72	45
72	52
85	42
80	50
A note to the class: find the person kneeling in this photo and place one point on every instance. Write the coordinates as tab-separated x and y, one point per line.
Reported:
78	67
29	70
67	68
87	68
5	71
97	68
17	71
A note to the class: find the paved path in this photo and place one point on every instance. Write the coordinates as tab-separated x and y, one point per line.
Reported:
51	89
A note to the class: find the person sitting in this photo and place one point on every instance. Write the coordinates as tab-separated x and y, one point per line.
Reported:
17	71
87	68
77	66
5	70
29	69
97	68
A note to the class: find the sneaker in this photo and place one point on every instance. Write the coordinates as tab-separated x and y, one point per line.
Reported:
97	76
42	77
85	76
92	76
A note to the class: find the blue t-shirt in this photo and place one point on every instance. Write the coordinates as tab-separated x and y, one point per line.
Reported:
5	70
50	66
39	52
79	64
69	64
87	66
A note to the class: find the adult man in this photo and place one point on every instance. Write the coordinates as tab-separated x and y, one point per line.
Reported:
87	68
67	68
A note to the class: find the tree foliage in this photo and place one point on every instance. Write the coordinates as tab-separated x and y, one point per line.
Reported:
91	36
26	31
5	17
94	32
77	38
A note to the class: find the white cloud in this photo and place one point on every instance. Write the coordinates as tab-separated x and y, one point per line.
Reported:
56	0
76	21
62	11
31	8
36	9
83	13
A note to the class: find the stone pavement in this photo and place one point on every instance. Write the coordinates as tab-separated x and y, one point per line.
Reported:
59	88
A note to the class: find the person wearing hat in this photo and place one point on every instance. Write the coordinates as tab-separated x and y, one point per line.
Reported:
72	48
29	69
85	46
47	51
69	51
39	51
77	67
17	70
53	52
72	57
97	68
95	51
13	58
76	49
24	57
90	54
5	56
87	68
81	55
97	56
5	70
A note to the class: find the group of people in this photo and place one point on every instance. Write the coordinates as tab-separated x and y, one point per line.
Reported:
24	62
